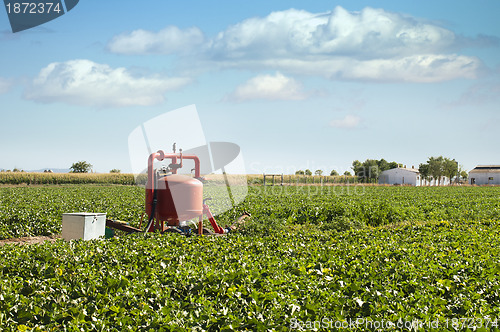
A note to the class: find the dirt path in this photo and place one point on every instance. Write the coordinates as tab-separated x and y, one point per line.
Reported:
30	240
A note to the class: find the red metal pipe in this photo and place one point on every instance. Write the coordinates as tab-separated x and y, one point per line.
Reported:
216	227
160	155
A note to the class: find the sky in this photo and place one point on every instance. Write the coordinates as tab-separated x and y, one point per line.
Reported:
296	84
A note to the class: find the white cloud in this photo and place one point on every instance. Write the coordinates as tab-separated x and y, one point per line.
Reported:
83	82
166	41
347	122
369	45
418	68
371	33
269	87
4	85
372	44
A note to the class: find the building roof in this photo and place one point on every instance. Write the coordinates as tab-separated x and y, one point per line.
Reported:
486	169
414	170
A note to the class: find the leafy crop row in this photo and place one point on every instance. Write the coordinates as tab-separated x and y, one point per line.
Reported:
430	254
332	207
33	211
26	211
438	271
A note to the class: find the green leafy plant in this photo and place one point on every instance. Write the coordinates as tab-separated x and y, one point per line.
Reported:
434	271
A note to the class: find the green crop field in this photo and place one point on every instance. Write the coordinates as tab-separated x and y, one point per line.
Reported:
26	211
311	258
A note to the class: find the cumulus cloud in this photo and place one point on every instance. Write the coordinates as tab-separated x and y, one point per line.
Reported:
4	85
347	122
369	45
269	87
167	41
83	82
372	44
418	68
371	33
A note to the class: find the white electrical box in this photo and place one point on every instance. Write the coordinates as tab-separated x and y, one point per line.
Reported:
83	225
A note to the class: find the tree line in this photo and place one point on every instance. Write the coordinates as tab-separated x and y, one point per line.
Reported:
439	168
435	169
320	172
370	169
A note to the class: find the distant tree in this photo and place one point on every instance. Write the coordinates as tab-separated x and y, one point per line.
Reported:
357	167
424	172
370	169
347	173
114	170
308	172
80	167
334	173
450	168
436	169
373	170
393	164
318	172
299	172
383	165
17	170
366	170
464	175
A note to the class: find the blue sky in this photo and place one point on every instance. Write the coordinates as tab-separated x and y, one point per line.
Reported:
297	84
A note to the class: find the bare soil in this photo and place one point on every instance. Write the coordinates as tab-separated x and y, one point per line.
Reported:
30	240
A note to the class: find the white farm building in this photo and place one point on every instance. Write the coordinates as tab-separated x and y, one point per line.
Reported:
401	176
489	174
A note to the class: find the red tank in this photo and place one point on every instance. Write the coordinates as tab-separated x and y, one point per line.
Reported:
179	198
